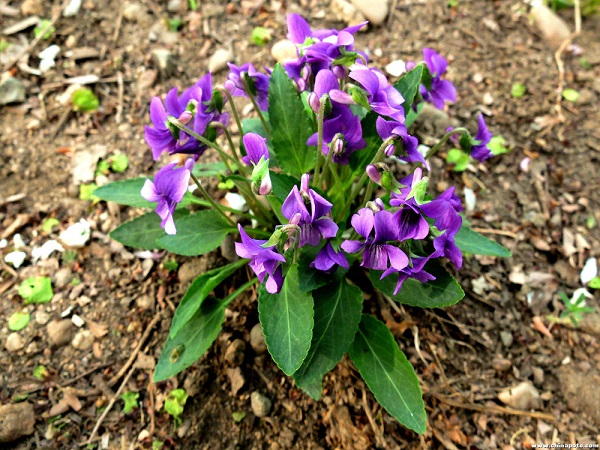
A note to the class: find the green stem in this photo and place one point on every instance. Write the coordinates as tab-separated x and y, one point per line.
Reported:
236	157
368	192
433	150
260	212
191	132
239	291
233	110
355	191
257	109
215	205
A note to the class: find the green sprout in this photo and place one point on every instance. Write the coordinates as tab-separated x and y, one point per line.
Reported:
36	290
575	308
131	401
85	100
44	29
174	404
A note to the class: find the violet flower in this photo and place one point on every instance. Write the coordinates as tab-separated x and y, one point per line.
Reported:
383	98
258	157
441	90
414	270
259	83
378	254
167	189
263	261
480	151
389	128
310	212
327	258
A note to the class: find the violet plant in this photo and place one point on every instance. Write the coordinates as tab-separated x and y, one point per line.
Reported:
323	212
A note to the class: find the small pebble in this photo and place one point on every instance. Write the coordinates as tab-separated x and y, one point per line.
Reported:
234	354
42	318
538	375
501	364
218	61
261	405
284	51
396	68
32	8
145	302
374	10
523	396
60	332
507	338
62	277
14	343
134	12
16	420
257	339
164	60
72	8
83	340
77	321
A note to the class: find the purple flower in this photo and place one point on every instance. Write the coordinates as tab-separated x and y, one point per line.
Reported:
414	270
411	223
383	98
259	83
389	128
378	254
480	151
263	261
312	210
167	189
445	246
441	90
256	148
327	258
197	100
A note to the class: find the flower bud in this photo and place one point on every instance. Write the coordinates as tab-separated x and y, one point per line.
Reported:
339	71
313	102
337	145
185	117
390	150
374	173
304	183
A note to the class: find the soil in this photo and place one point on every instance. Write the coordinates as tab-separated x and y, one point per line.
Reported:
464	355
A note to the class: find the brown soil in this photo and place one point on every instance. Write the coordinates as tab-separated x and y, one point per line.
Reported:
464	355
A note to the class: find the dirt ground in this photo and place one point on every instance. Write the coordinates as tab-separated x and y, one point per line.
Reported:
464	355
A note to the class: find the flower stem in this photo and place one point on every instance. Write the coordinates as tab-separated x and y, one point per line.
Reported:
215	205
236	157
191	132
233	110
433	150
256	108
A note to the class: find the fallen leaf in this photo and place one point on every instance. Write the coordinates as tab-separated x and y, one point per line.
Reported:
539	325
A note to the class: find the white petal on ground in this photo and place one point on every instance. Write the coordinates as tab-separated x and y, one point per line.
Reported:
77	234
18	241
15	258
236	201
46	250
578	293
589	271
470	199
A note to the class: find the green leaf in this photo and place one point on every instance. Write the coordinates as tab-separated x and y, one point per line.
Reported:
413	115
44	26
49	224
443	291
360	160
175	402
459	158
497	145
86	192
282	184
408	86
18	320
518	90
125	192
142	232
238	416
570	95
36	290
290	125
190	343
130	399
197	234
287	321
156	444
205	170
261	36
119	162
470	241
40	372
337	314
198	291
594	283
388	373
85	100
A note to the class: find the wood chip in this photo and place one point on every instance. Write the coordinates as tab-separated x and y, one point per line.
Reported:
22	25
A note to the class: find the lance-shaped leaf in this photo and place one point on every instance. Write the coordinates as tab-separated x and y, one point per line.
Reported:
197	234
337	314
287	321
290	125
408	86
388	373
443	291
470	241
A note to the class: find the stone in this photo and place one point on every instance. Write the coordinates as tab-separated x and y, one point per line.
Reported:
164	60
42	317
218	61
60	332
84	162
236	378
191	269
507	338
145	302
16	420
176	6
257	339
72	8
234	354
32	8
14	342
538	375
62	277
523	396
134	12
261	405
284	51
581	390
374	10
347	12
501	364
12	90
553	28
83	340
